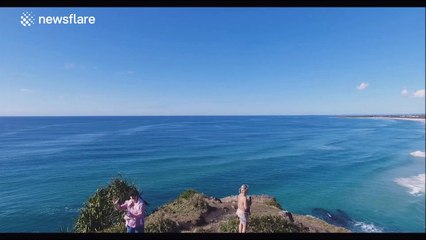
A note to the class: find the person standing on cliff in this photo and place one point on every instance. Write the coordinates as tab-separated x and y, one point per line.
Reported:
243	210
135	208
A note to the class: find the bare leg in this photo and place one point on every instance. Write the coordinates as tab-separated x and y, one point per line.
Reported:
240	227
243	230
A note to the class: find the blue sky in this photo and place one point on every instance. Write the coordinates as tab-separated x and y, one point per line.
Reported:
214	61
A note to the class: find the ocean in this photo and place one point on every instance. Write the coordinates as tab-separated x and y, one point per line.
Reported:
370	171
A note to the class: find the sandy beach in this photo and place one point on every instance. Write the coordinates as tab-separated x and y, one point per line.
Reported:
423	120
415	184
407	119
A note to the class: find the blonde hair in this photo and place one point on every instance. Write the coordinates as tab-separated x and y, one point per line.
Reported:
244	187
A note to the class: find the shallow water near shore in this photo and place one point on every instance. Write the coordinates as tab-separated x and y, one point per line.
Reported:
371	169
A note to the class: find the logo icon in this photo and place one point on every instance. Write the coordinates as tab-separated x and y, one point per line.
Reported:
27	19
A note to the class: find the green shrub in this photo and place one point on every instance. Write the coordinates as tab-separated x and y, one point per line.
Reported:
98	213
262	224
197	202
187	202
119	228
160	224
187	194
273	224
229	226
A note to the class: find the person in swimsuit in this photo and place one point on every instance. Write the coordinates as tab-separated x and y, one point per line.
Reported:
243	210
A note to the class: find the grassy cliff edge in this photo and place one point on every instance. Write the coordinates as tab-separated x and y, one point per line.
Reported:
195	212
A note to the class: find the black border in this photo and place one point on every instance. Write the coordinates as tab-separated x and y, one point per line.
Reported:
224	236
215	3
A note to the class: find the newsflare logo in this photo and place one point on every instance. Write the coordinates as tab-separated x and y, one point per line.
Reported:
29	19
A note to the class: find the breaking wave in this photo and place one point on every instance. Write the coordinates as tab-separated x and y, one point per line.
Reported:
419	154
367	227
415	184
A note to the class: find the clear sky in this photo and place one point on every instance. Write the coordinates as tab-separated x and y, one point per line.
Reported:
214	61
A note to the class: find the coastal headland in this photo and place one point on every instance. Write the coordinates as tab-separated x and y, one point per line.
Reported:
194	212
409	117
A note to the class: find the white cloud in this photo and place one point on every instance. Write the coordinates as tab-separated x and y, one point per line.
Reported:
420	93
26	90
362	86
404	92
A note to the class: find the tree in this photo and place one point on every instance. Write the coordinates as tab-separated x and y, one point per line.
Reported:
98	213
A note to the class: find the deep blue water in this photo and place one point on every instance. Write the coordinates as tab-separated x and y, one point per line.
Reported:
50	165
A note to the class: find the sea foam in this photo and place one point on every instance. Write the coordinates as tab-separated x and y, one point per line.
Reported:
419	154
365	227
415	184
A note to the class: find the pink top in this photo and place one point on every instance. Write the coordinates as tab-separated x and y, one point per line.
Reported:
135	213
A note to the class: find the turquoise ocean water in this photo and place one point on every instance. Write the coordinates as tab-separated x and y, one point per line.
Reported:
370	169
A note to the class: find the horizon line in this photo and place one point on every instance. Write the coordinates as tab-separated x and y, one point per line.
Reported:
215	115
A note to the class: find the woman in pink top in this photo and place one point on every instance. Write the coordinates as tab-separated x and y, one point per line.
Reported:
135	208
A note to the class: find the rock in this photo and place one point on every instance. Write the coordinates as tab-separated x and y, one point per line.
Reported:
288	215
338	218
215	199
234	205
193	218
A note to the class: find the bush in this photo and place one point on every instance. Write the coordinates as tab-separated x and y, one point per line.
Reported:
98	213
272	224
160	224
197	202
119	228
262	224
188	202
187	194
229	226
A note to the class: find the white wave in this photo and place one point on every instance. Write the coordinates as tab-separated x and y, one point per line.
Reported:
49	211
415	184
358	226
419	154
73	210
365	227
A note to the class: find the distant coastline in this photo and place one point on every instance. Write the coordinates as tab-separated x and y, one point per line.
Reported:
409	117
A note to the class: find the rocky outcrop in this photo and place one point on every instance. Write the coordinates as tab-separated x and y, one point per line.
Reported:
196	212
